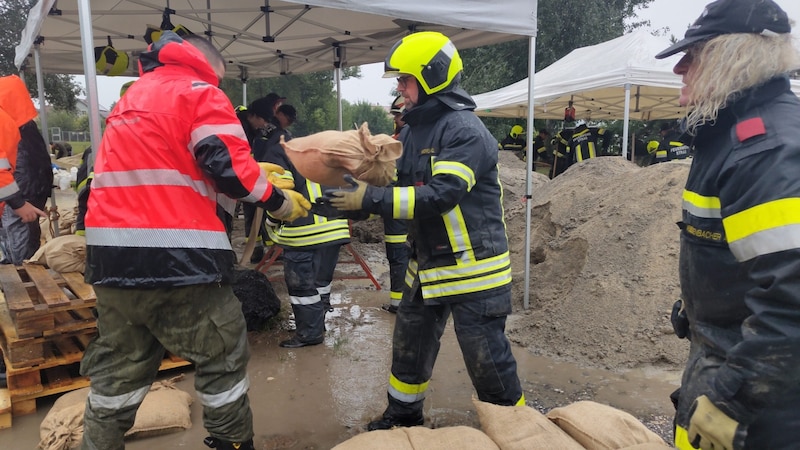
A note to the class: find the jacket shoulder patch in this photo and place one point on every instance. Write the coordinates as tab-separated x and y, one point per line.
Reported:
750	128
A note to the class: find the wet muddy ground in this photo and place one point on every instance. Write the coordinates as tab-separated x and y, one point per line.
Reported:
317	397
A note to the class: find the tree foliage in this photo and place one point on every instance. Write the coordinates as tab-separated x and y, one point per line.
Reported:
60	90
563	25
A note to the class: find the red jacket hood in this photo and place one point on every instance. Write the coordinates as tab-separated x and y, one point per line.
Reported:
15	100
172	51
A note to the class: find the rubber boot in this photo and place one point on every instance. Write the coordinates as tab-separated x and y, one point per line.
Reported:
399	414
310	325
219	444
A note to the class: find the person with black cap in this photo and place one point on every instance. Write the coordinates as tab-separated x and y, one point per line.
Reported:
259	124
740	234
670	147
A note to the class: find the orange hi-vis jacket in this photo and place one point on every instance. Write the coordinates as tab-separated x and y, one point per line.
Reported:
171	144
16	109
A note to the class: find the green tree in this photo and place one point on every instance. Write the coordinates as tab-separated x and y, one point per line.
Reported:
377	117
563	25
60	90
66	120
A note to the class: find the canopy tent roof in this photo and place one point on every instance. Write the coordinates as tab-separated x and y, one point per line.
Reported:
287	36
594	78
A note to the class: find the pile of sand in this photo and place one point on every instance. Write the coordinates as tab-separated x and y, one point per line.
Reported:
604	261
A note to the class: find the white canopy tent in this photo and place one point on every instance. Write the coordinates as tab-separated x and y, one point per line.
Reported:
595	79
277	37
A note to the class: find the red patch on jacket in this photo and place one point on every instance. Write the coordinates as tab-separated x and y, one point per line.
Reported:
750	128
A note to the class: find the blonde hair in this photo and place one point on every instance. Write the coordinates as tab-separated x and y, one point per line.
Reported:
731	63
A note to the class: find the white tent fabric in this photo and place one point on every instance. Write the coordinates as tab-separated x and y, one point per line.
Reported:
594	78
292	36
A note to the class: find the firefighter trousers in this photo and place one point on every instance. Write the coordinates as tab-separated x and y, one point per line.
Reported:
480	329
202	323
309	275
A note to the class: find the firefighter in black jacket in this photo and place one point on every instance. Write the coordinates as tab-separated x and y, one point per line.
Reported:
588	142
515	141
671	145
448	189
740	239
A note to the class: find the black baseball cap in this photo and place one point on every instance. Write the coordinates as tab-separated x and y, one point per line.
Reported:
733	16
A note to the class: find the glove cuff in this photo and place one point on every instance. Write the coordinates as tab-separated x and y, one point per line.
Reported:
276	200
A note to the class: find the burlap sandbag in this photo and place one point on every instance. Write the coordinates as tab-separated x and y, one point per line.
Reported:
325	157
165	409
521	428
420	438
63	254
602	427
649	446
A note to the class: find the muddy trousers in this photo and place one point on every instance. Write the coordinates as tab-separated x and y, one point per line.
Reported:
480	330
203	324
19	240
308	275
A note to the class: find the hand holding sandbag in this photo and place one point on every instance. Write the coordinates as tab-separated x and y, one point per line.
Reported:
349	199
294	206
272	171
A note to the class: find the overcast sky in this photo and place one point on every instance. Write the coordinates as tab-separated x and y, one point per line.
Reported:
676	15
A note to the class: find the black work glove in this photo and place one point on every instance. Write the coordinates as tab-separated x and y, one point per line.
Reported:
680	323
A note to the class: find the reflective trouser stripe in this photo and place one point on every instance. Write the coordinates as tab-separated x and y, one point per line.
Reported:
404	392
308	300
521	401
118	401
225	397
395	297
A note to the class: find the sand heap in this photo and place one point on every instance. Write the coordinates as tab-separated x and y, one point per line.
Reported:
604	261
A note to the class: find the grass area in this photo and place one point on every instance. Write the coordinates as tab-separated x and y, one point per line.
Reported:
79	147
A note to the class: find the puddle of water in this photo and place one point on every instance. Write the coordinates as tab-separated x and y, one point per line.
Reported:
316	397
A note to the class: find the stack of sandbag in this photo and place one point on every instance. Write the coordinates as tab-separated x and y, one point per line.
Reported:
165	409
579	426
325	157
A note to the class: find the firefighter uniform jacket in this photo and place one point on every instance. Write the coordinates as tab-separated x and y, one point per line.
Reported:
583	144
516	144
448	188
308	232
671	147
740	266
170	144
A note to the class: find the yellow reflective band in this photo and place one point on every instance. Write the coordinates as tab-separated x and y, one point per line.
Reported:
701	206
682	439
466	269
661	154
395	238
457	232
774	214
408	389
521	401
403	202
767	228
411	272
395	295
455	168
471	285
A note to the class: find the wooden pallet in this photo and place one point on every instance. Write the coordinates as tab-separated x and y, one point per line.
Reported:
35	296
58	374
22	352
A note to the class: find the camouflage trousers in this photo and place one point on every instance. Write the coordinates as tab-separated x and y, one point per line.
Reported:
203	324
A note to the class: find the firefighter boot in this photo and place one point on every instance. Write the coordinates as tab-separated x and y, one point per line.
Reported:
399	414
219	444
310	322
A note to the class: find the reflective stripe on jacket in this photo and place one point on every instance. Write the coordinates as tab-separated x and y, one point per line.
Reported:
170	144
449	190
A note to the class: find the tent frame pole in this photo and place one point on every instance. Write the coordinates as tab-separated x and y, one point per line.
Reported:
529	158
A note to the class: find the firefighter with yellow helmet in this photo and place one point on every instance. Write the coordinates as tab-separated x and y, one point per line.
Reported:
448	190
515	141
